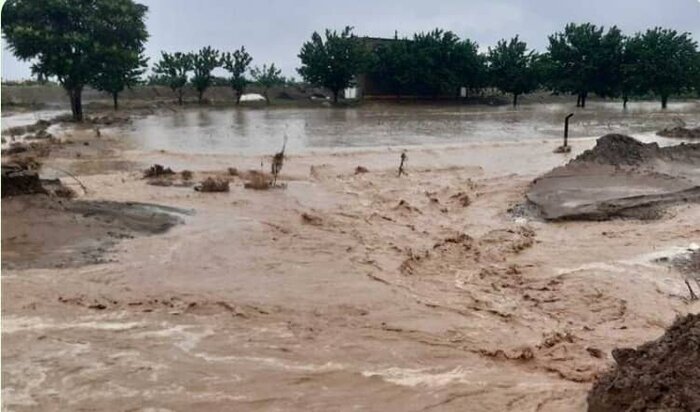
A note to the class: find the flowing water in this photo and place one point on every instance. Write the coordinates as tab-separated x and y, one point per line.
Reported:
260	131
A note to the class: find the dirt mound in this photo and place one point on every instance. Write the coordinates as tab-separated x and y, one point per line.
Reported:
19	181
619	177
659	375
681	132
621	150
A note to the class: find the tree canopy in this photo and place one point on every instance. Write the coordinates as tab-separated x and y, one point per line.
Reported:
433	63
583	59
73	40
666	62
173	70
335	62
120	69
203	63
267	76
512	67
237	64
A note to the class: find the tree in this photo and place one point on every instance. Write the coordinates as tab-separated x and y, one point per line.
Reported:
631	81
120	69
393	67
173	69
335	62
435	62
236	64
667	62
583	59
470	65
203	63
267	77
512	67
72	39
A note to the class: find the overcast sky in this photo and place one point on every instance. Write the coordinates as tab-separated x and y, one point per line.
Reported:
273	30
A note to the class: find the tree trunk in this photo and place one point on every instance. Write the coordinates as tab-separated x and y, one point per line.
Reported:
76	106
335	96
116	103
625	98
239	93
578	100
583	99
180	92
664	101
515	99
200	96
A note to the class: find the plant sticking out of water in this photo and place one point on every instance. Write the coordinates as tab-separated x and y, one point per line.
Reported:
404	159
278	162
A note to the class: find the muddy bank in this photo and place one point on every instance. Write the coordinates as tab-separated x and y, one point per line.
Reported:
619	177
44	231
659	375
681	132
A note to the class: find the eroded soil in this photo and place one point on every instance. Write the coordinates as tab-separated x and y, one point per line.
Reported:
339	291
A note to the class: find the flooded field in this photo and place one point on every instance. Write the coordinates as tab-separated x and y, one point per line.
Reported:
260	131
342	288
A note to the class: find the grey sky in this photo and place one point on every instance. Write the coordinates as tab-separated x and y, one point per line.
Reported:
273	30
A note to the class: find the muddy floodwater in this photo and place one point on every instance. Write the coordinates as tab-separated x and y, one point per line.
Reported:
345	287
260	131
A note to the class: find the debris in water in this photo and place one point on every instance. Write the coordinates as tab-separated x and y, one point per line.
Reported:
157	171
404	159
311	219
211	184
278	162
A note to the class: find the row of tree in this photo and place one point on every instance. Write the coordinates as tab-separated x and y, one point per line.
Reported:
174	70
100	43
580	60
96	43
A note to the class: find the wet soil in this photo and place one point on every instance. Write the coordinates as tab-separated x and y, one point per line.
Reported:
340	291
619	177
681	132
42	231
662	375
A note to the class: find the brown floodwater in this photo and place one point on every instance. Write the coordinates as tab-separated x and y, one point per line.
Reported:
338	291
261	131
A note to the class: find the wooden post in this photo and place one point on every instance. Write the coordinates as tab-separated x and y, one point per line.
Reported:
566	129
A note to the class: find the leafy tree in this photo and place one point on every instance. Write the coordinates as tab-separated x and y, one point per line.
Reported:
267	77
470	65
236	64
667	62
335	62
393	67
72	39
584	59
433	63
512	67
173	69
436	62
203	63
631	81
120	69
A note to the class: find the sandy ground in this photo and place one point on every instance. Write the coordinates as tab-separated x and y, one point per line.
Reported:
339	292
